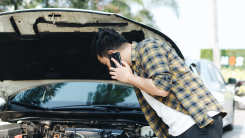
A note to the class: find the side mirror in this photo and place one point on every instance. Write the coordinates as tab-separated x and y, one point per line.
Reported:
231	81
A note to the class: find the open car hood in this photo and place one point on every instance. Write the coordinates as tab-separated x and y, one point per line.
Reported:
55	44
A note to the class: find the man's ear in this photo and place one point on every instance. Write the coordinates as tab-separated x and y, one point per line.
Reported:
111	51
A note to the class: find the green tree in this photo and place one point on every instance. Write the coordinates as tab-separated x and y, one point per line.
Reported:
207	54
38	95
122	7
81	4
109	94
15	3
143	15
3	5
166	3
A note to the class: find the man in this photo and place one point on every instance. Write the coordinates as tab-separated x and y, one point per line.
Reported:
175	103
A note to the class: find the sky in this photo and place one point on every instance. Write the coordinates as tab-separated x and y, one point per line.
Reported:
193	30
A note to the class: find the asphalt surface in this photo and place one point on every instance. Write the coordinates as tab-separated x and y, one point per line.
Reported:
239	128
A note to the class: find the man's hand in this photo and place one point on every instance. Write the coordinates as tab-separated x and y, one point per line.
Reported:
121	73
124	74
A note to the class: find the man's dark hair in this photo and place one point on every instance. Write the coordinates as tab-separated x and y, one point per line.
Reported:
107	39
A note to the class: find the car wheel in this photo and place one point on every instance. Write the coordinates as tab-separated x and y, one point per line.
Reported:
231	126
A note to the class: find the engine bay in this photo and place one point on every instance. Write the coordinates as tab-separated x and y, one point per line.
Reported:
47	129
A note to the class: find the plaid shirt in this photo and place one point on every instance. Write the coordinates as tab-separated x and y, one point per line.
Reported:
152	58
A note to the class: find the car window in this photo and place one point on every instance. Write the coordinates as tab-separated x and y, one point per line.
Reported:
195	71
219	76
78	93
205	74
212	73
198	67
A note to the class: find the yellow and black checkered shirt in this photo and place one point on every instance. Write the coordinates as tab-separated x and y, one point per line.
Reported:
153	58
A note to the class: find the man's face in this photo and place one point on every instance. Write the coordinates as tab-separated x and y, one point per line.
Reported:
104	61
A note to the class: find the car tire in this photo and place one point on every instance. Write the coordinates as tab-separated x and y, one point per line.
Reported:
231	126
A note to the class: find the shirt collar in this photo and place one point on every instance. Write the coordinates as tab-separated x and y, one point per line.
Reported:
133	51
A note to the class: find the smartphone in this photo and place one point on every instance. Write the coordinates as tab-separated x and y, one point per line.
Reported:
117	57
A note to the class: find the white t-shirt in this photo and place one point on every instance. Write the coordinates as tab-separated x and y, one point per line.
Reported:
178	122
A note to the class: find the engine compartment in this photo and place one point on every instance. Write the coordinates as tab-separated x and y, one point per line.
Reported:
47	129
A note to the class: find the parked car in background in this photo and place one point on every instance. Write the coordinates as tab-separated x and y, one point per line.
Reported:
214	81
240	101
239	95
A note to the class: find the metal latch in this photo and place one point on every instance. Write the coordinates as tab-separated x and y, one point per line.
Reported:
53	19
5	96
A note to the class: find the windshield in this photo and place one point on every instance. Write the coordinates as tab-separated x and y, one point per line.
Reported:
78	93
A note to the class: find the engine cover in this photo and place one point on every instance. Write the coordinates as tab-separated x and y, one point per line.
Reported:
94	133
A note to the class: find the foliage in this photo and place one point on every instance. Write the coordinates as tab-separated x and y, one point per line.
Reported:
3	5
122	7
234	73
15	3
207	54
109	94
228	71
168	3
241	90
38	95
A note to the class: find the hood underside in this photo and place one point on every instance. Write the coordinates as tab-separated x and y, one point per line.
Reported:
56	43
43	44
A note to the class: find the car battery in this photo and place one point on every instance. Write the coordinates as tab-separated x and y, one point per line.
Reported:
10	130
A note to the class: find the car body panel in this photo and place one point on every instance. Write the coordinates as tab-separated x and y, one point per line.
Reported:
218	88
25	19
240	102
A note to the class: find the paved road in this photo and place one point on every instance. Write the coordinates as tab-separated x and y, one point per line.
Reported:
239	128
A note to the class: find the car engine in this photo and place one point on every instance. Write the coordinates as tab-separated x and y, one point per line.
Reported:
47	129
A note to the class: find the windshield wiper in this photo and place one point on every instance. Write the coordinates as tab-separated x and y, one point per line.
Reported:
119	107
79	107
28	105
105	108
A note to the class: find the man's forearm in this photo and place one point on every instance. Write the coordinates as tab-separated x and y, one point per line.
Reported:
146	85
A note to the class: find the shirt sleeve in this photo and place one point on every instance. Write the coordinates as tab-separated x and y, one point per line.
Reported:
153	57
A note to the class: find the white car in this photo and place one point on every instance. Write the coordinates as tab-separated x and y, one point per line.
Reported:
214	81
239	96
51	84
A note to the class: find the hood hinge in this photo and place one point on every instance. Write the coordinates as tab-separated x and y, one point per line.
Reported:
5	96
